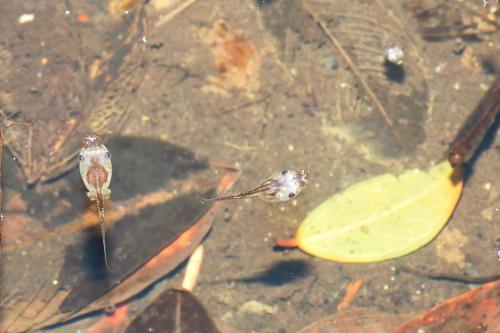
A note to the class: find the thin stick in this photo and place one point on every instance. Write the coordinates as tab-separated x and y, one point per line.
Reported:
170	16
368	90
471	135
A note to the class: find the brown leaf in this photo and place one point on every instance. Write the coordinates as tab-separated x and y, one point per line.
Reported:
174	311
356	321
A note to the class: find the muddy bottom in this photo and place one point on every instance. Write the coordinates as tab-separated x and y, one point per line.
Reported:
259	84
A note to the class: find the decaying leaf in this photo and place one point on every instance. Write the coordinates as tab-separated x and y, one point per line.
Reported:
441	20
381	218
174	311
84	84
475	311
236	59
381	106
356	321
159	183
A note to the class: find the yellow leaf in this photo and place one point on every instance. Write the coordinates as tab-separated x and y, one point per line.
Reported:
384	217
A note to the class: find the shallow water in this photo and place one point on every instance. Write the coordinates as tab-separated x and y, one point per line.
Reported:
259	85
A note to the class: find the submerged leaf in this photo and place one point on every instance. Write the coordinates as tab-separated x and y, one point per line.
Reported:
477	310
384	217
356	321
174	311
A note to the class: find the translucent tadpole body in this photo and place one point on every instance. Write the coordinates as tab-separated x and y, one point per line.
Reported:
96	171
280	187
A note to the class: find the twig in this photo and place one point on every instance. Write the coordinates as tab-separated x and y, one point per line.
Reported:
193	269
351	291
476	127
170	16
368	90
243	105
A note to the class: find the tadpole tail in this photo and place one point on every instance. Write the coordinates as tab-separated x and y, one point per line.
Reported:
229	197
252	193
100	208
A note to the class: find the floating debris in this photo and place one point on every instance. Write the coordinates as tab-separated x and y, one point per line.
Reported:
26	18
394	53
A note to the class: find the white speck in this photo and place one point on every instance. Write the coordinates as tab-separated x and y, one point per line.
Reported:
487	186
386	287
23	253
394	54
393	268
422	286
55	282
26	18
418	292
293	71
291	147
456	86
392	278
294	203
67	12
316	185
420	330
282	208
